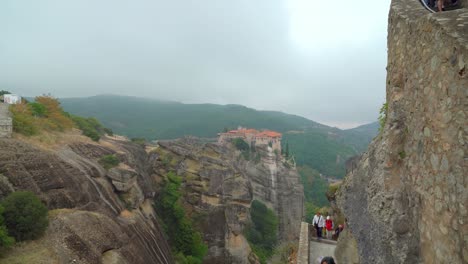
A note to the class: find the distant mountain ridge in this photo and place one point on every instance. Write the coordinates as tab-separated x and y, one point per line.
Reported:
319	146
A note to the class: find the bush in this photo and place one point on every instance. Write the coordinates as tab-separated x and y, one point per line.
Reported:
38	109
3	92
25	215
139	141
55	119
332	189
262	233
109	161
383	116
240	144
5	240
184	239
43	114
91	127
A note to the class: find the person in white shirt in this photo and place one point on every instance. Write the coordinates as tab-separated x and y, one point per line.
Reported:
319	224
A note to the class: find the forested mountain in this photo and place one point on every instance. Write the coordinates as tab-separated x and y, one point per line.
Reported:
321	147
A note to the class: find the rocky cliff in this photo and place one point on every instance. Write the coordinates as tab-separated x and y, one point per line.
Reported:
100	215
90	221
219	186
406	198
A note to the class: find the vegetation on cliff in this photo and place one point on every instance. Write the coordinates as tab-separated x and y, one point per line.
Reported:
186	242
91	127
22	217
109	161
262	232
25	215
320	151
247	152
46	114
5	239
315	188
383	116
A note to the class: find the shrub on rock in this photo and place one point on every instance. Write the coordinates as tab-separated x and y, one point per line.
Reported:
25	215
5	240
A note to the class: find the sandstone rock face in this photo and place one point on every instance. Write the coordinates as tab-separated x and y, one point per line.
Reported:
219	187
406	199
346	249
88	220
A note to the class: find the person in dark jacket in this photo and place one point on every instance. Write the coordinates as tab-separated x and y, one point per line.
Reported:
327	260
338	231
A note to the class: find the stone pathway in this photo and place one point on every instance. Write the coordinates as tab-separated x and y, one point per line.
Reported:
320	249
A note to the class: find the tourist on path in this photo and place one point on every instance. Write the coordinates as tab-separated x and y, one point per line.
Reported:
327	260
319	224
329	227
338	231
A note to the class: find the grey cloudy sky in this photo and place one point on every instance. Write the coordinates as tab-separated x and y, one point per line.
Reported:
306	57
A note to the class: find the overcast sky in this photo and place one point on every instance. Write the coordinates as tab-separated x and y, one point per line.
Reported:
324	60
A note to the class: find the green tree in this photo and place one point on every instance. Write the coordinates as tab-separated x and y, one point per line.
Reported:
185	240
287	150
91	127
3	92
109	161
240	144
315	187
5	240
25	215
262	233
38	109
383	116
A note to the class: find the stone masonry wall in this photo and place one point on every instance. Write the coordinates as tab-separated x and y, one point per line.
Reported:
406	200
6	123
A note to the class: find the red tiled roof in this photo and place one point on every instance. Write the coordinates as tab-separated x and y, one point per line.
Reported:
243	131
266	133
250	131
269	133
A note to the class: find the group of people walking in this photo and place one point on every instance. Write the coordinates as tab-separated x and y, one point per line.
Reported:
325	225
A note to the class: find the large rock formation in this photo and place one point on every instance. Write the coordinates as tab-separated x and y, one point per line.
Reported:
406	199
106	216
219	186
89	222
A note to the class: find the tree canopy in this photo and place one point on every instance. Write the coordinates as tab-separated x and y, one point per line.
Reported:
25	215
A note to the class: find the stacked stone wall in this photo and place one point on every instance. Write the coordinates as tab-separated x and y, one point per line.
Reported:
6	123
427	90
406	200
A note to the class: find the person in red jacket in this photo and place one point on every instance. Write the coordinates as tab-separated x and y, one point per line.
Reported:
329	227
